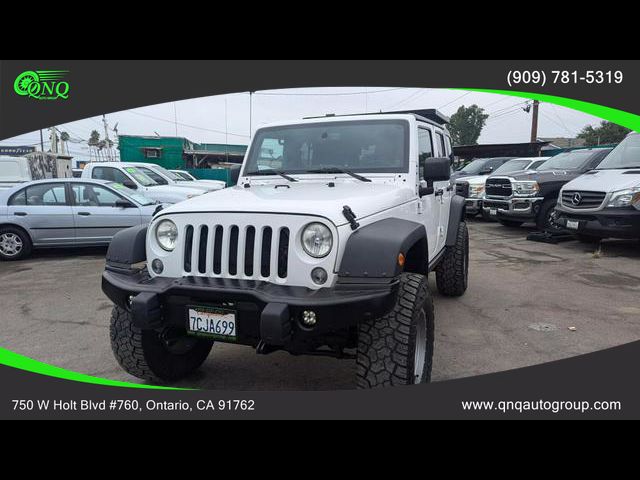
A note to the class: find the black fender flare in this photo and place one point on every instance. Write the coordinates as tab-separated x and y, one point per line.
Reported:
372	251
128	247
456	215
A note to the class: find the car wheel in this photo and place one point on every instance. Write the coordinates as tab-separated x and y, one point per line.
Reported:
157	356
452	273
15	244
546	216
397	349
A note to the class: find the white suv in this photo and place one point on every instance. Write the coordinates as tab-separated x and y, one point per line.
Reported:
605	202
323	248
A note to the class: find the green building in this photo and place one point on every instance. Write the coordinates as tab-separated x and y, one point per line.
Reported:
202	160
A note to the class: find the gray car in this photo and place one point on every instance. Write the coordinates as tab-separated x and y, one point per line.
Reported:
67	212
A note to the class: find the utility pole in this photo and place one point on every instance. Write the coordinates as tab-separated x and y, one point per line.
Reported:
41	142
54	140
106	137
534	122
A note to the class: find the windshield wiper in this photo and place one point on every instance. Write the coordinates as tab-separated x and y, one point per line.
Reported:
271	171
339	170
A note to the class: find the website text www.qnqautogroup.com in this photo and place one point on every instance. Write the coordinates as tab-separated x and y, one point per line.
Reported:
552	406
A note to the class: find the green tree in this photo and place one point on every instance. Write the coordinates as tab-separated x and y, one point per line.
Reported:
604	134
467	124
94	138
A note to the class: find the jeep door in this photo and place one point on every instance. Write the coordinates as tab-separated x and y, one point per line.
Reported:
431	204
44	209
445	188
97	218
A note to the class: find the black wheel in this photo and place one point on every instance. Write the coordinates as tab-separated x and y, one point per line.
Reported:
159	357
510	223
397	349
15	244
546	216
486	216
452	273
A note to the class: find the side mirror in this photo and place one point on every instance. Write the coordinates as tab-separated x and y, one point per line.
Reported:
130	184
122	203
437	169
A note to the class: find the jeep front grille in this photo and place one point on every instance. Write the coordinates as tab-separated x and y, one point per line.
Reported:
498	187
580	199
236	251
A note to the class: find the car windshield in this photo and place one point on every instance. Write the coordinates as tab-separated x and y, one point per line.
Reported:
625	155
574	160
184	177
140	177
475	166
132	194
357	146
512	166
167	173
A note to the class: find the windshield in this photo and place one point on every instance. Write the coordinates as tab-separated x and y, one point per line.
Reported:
574	160
167	173
512	166
475	166
140	177
625	155
363	146
184	177
131	194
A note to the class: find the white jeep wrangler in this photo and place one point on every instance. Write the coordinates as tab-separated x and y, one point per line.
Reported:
322	248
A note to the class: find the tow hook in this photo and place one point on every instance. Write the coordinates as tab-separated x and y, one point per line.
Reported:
350	216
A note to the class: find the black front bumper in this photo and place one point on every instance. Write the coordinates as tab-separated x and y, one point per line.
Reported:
606	223
264	312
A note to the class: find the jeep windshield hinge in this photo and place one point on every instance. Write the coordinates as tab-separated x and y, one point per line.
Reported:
350	216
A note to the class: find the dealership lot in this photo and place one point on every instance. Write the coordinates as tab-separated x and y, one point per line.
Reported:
527	303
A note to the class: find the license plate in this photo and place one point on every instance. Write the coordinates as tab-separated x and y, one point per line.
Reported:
212	322
493	211
573	224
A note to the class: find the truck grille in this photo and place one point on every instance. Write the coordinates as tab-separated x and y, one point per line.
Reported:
236	251
580	199
498	187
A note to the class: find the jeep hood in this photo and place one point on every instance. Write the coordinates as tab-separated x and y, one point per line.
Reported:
306	198
606	180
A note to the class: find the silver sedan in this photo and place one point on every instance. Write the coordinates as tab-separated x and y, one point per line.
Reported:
67	212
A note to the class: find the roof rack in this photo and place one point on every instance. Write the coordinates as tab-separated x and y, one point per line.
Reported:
429	114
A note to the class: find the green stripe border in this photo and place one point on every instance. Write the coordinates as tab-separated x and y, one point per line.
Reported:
15	360
614	115
20	362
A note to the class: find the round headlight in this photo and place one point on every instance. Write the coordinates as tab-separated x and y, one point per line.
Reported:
317	240
167	235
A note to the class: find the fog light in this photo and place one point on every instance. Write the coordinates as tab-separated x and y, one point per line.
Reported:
319	275
309	318
157	266
130	300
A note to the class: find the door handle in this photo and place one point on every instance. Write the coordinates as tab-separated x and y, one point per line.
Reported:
20	214
84	214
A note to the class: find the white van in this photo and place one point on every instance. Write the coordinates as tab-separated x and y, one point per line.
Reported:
33	166
605	202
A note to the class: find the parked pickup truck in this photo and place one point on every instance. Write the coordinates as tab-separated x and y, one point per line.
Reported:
133	178
605	202
532	196
162	176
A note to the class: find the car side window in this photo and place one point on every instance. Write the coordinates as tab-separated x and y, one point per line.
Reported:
425	148
19	198
109	173
447	144
440	149
46	194
87	195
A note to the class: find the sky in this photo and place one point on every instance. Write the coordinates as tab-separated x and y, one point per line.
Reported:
225	118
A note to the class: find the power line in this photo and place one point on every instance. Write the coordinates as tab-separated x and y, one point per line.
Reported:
305	94
414	95
186	125
454	100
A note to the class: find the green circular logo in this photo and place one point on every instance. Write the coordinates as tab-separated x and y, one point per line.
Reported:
24	81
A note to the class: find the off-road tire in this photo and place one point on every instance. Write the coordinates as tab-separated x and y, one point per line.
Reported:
542	220
143	354
387	345
510	223
452	273
27	246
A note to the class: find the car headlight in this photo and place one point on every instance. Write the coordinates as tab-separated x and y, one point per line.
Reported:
317	240
167	235
476	190
625	198
525	188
